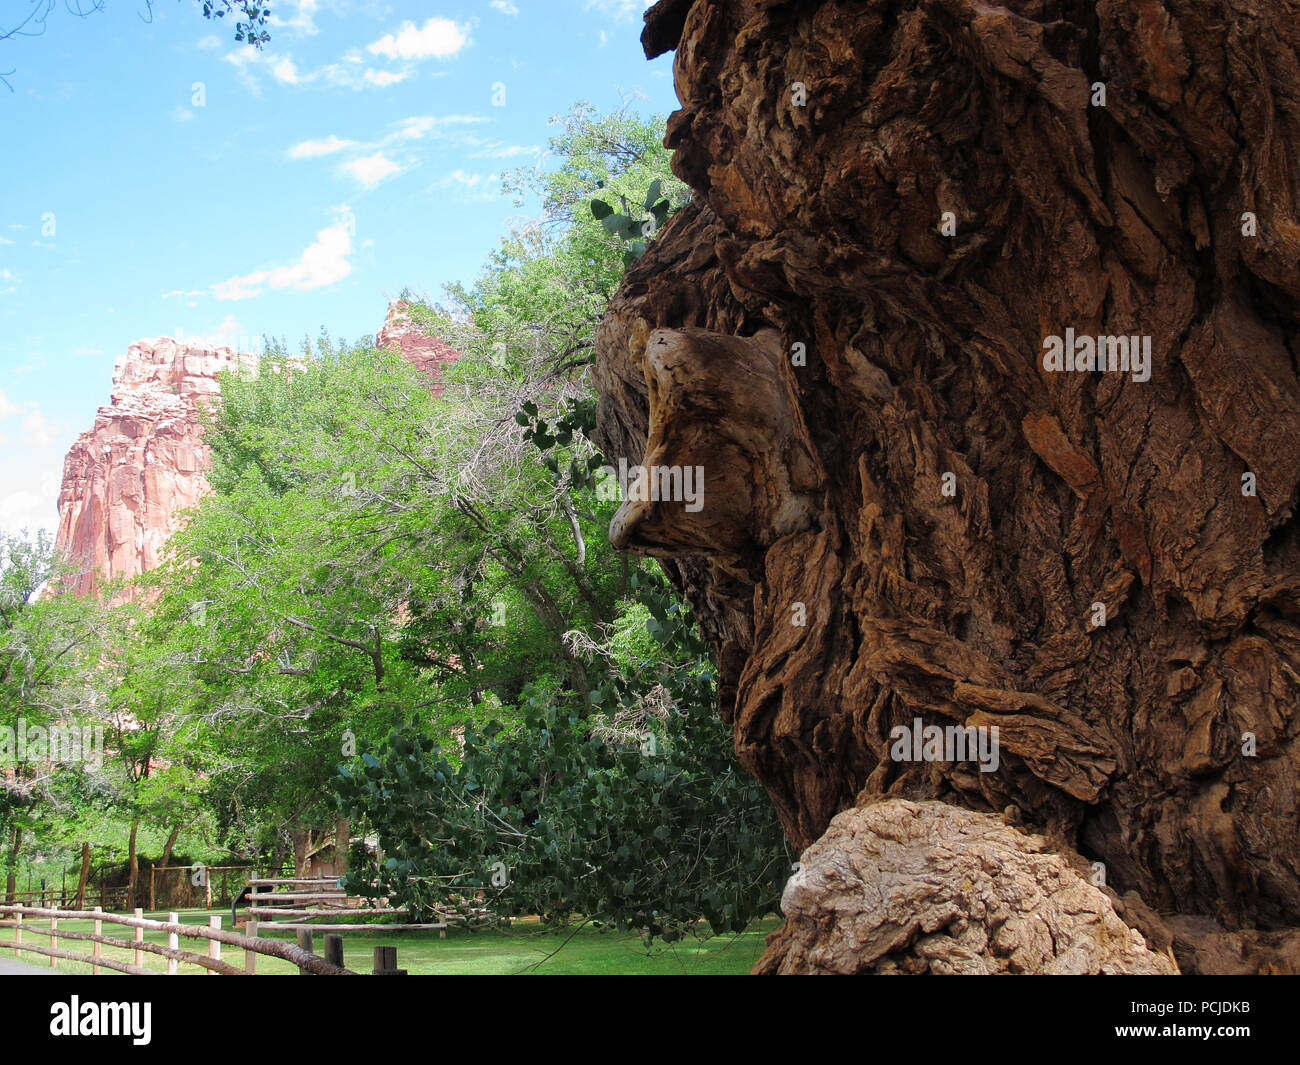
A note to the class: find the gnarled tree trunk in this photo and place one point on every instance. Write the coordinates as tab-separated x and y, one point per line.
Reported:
905	209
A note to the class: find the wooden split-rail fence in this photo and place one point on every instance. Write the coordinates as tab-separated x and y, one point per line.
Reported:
300	903
25	920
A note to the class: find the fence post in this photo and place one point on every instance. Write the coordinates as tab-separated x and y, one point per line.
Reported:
54	940
386	962
99	931
207	890
214	945
173	942
139	936
334	949
250	956
305	942
18	933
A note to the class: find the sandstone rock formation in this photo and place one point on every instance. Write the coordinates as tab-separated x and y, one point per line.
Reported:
127	480
905	887
426	353
898	203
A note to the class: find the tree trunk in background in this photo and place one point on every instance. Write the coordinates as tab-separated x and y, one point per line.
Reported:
910	512
133	875
163	863
342	837
301	846
11	868
85	874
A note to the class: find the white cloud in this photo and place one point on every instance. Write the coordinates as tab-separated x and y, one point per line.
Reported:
227	329
5	240
467	185
18	508
323	263
618	10
284	70
438	38
182	114
460	177
35	490
303	21
225	335
211	40
8	408
38	430
494	149
395	150
380	78
504	6
371	169
240	288
248	63
87	351
417	126
310	149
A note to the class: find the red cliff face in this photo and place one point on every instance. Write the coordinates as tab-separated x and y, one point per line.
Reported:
426	353
127	480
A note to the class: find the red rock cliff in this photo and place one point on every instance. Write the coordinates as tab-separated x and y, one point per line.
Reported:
127	479
426	353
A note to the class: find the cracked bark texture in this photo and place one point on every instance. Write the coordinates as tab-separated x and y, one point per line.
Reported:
820	225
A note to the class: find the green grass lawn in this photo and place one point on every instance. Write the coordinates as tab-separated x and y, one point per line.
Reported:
523	948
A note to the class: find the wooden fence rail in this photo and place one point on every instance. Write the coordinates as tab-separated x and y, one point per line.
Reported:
18	918
275	898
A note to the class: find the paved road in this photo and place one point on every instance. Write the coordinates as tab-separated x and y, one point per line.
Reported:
18	968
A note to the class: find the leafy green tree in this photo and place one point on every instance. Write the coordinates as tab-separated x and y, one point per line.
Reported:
644	821
622	802
423	575
47	639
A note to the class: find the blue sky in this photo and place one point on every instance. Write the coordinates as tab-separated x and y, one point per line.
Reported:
162	180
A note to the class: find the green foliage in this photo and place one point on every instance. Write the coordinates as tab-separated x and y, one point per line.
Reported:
646	823
427	574
49	640
544	290
250	26
634	228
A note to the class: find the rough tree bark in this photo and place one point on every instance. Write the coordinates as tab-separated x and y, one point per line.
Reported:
1104	567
